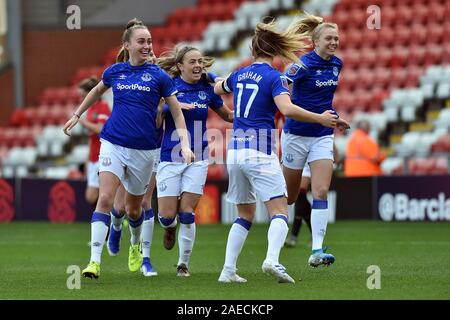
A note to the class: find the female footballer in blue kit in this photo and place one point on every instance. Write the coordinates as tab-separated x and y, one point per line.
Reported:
315	80
179	185
128	137
252	164
118	210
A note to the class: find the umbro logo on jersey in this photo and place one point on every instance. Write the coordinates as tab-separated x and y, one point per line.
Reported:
146	77
202	95
319	72
122	77
180	94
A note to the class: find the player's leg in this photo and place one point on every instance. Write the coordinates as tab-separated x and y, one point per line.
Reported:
266	177
147	268
276	236
186	234
321	173
137	178
192	184
91	194
117	218
169	189
293	160
111	170
100	222
235	242
304	205
242	194
302	209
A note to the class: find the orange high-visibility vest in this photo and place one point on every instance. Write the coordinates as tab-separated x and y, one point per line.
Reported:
363	156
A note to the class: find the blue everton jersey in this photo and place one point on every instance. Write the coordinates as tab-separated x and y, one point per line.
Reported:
254	88
137	91
202	96
313	88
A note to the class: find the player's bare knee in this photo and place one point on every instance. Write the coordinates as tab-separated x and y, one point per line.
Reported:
321	193
134	212
105	202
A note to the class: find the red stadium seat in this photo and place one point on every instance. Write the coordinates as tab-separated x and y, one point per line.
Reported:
348	79
442	144
441	166
399	56
365	78
418	34
435	33
402	35
371	38
354	38
383	56
382	77
398	78
377	97
388	16
436	13
417	54
413	75
351	58
357	19
368	58
18	118
387	37
433	54
404	16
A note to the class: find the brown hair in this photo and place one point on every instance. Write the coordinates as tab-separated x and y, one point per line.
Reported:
169	60
268	42
133	24
88	84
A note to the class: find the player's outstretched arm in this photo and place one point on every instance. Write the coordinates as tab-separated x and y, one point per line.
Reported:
290	110
88	101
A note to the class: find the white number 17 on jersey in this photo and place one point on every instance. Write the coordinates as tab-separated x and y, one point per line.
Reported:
250	86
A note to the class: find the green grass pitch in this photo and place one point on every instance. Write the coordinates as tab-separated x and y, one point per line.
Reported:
414	259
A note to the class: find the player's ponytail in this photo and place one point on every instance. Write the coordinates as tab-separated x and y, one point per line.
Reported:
88	84
133	24
268	42
169	60
310	26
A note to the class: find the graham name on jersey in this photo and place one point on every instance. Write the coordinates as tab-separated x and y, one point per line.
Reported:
250	75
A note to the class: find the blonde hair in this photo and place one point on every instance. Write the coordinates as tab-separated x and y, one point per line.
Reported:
268	42
169	60
132	25
311	26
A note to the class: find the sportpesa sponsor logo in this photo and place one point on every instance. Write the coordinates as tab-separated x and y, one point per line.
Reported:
327	83
200	105
133	86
